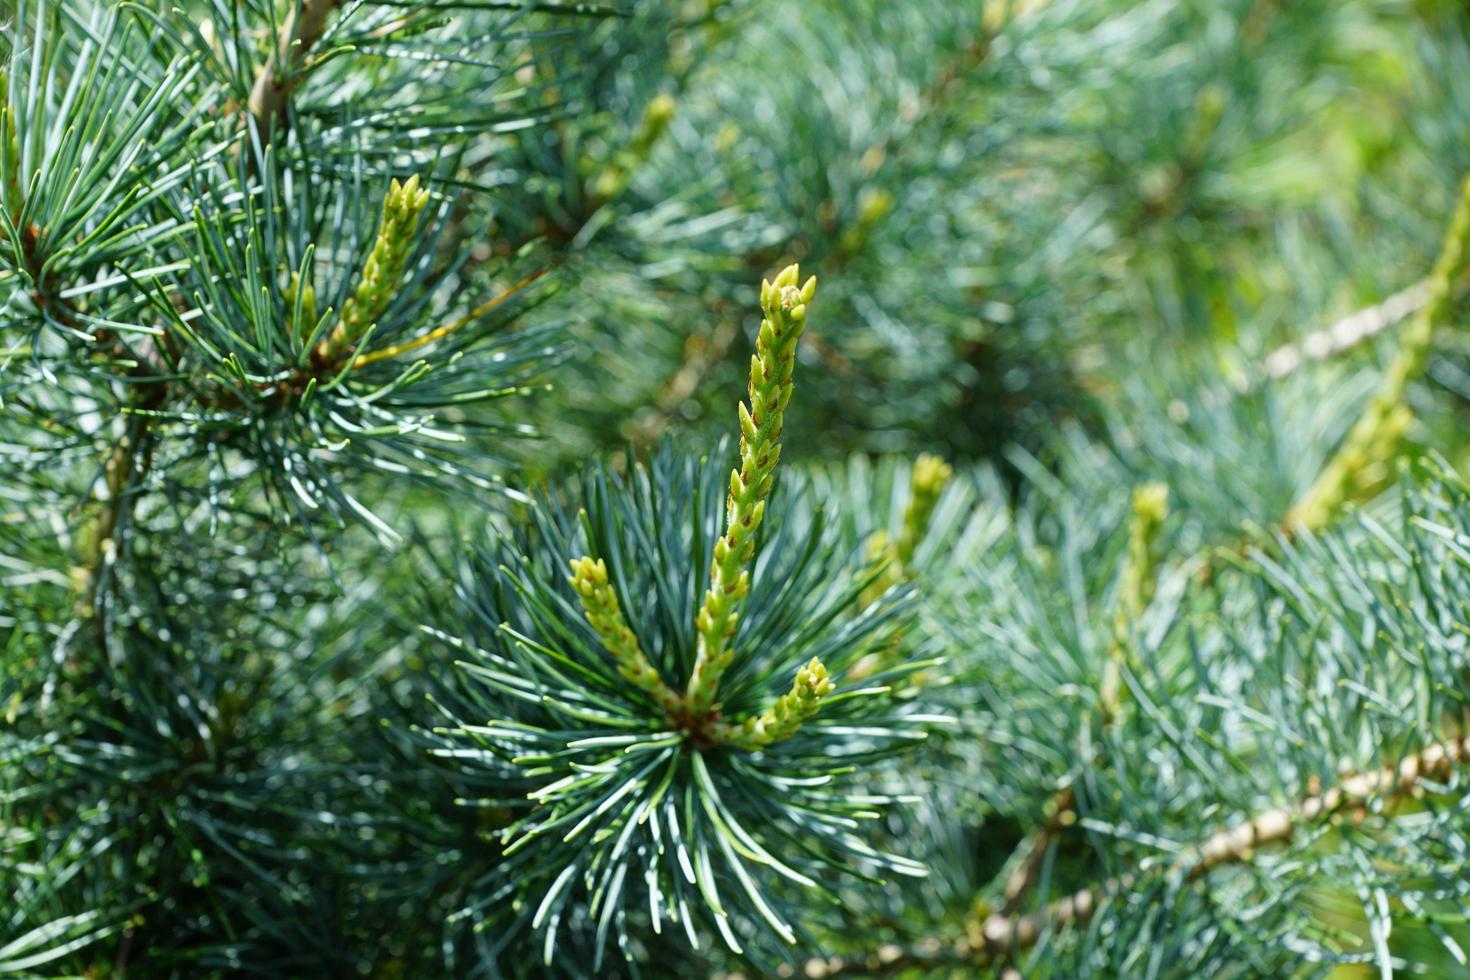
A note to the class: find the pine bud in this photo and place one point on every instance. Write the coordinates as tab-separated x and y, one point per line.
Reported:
771	370
382	273
930	476
659	113
656	118
10	177
786	716
890	560
600	603
309	315
1150	508
1139	576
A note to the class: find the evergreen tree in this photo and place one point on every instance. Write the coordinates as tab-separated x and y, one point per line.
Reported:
394	582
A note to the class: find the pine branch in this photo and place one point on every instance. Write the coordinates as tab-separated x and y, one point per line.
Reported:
593	772
612	780
1150	508
1002	935
770	390
1374	438
130	457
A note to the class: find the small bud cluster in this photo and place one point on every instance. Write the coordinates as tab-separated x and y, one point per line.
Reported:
10	178
1138	580
771	368
891	560
307	293
1150	508
782	719
931	475
383	270
656	119
600	603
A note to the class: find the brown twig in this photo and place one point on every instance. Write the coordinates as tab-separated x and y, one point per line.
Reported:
303	28
128	460
1061	813
124	467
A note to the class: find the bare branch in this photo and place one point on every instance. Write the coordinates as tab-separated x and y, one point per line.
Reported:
1349	331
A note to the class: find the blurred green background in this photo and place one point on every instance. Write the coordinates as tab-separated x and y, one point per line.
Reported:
1021	212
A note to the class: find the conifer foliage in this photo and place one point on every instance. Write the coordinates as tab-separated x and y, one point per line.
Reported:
394	582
